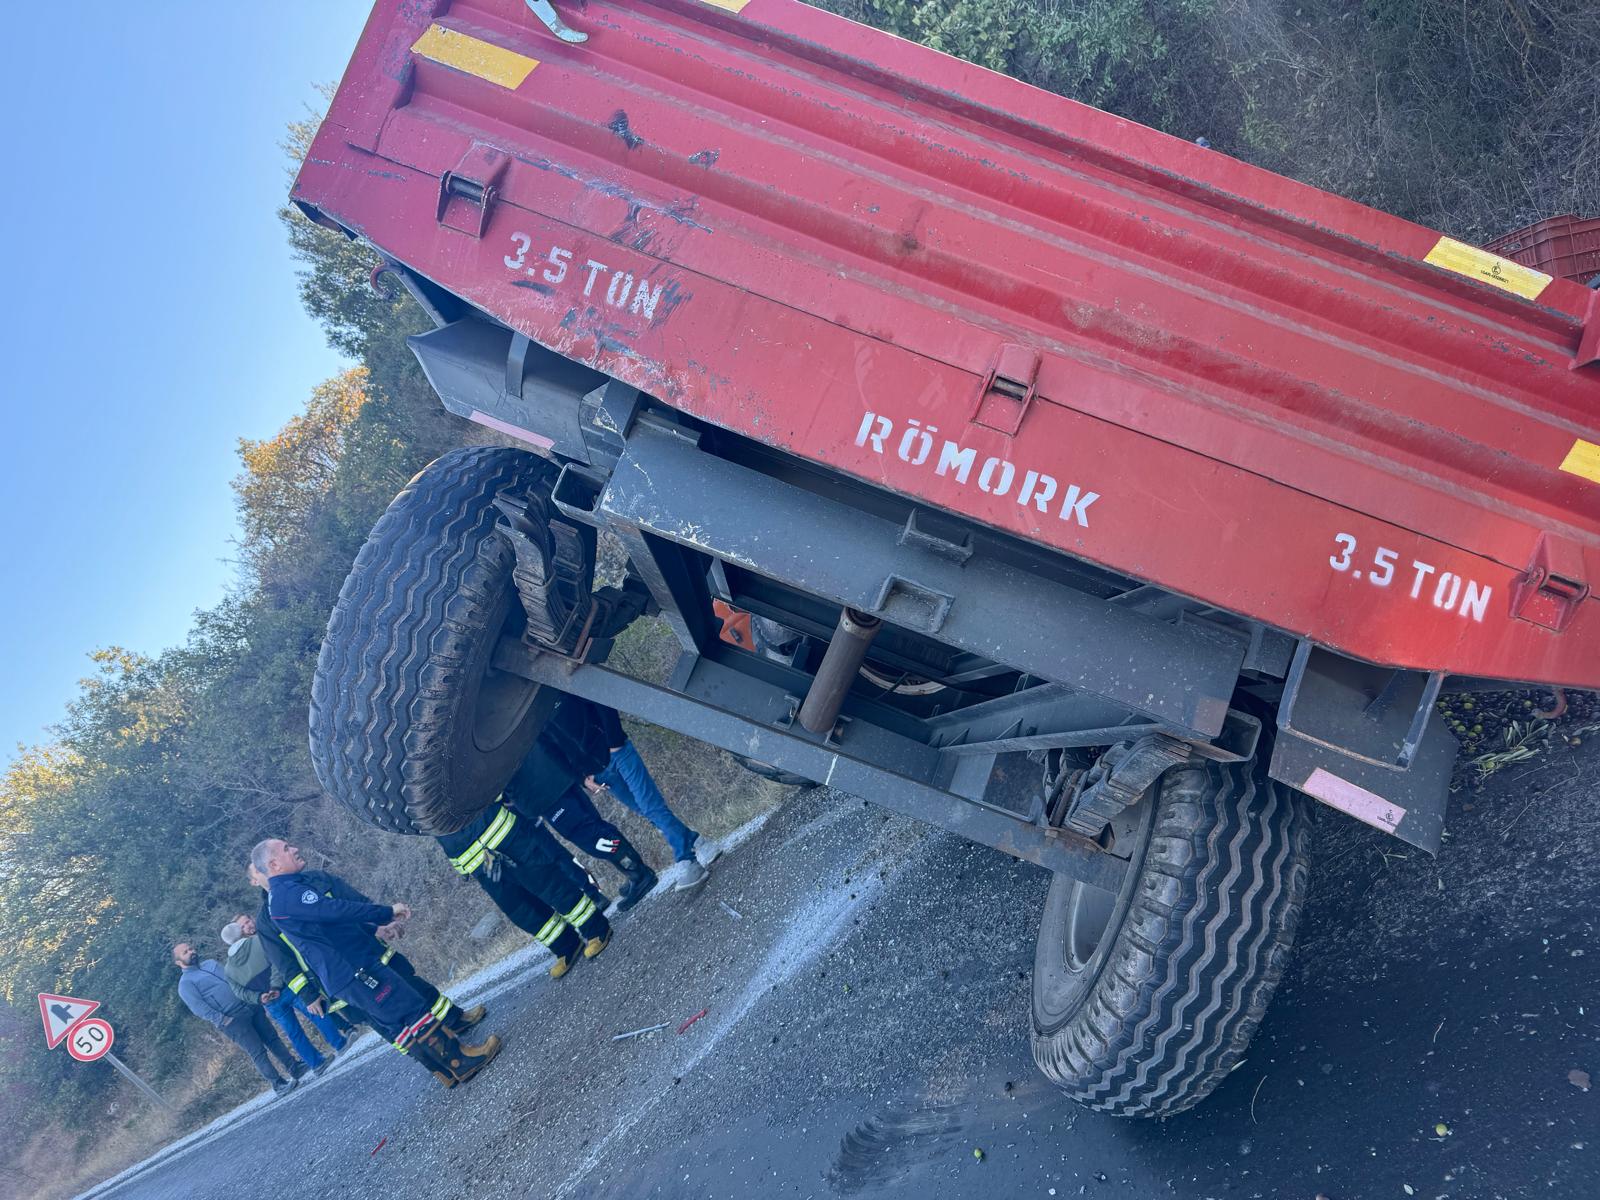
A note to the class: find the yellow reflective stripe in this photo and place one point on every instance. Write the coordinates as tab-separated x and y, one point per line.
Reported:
298	982
551	931
1583	460
474	56
387	955
441	1007
1488	268
335	1007
470	859
581	912
298	957
499	827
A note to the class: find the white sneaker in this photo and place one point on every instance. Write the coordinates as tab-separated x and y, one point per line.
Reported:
706	851
690	874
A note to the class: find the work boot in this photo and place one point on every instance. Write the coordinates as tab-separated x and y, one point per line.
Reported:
462	1019
562	965
596	944
451	1061
641	879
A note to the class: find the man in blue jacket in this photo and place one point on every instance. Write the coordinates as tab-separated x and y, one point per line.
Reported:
204	989
337	930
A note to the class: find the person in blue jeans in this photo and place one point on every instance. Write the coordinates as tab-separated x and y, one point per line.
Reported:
628	779
249	973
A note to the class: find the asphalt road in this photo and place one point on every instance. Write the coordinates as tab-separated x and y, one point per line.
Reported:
865	987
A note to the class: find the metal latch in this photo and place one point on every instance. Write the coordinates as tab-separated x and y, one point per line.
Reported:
546	13
1549	592
1008	389
467	194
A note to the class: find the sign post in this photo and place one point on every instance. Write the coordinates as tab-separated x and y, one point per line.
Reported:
67	1019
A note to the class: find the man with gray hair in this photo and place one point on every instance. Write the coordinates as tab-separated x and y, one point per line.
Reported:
337	930
251	975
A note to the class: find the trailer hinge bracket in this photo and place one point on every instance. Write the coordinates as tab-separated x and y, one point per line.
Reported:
1008	389
1589	337
468	193
1549	592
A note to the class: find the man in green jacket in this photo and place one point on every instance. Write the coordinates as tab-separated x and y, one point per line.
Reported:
250	974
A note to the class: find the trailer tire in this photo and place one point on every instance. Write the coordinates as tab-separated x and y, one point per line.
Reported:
411	728
1150	1016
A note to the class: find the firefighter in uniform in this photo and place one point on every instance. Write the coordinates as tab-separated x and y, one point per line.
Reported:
333	926
290	966
457	1019
548	786
520	866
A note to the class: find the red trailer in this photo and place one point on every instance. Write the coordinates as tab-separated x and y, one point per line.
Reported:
1011	426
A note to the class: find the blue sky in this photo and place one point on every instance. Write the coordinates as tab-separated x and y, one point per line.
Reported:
152	318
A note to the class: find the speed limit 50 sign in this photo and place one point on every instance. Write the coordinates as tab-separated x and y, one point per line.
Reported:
90	1039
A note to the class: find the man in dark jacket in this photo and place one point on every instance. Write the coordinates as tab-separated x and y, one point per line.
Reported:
549	786
337	930
254	980
205	991
457	1019
298	977
520	866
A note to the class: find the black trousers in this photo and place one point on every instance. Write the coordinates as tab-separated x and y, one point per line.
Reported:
253	1032
575	818
401	966
396	1002
526	877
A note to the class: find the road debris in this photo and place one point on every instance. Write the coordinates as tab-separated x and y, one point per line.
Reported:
693	1019
1578	1079
379	1146
633	1033
728	908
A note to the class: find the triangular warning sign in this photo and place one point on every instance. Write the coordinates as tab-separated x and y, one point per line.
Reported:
60	1014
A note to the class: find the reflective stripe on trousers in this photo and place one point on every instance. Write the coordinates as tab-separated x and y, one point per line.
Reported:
470	859
581	912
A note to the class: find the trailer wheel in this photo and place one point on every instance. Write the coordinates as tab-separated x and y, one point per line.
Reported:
411	728
1144	1001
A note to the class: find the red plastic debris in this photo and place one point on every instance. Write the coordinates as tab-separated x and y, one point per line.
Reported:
693	1019
379	1146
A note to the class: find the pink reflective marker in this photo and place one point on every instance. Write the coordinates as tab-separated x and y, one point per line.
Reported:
1357	801
522	435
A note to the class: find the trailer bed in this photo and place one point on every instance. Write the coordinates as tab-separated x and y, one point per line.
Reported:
957	287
